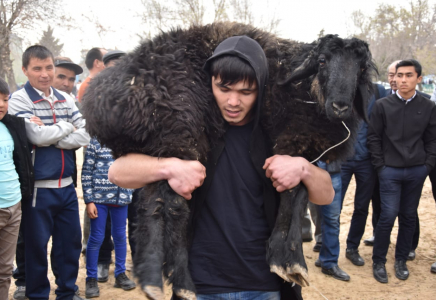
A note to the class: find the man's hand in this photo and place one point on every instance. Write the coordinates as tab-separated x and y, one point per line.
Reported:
36	120
91	210
184	176
285	171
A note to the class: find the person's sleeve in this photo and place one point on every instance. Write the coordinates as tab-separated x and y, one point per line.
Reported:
41	136
87	171
430	141
79	137
433	97
375	136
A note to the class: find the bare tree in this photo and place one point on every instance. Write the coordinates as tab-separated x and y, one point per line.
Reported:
160	15
399	33
20	14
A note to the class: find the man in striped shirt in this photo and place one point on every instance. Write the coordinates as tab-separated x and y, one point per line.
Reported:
55	128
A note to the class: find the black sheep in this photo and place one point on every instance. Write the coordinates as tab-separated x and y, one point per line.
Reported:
158	101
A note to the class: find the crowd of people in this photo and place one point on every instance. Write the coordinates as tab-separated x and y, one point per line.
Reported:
41	127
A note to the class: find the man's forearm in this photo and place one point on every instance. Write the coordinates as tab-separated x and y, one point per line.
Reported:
319	185
76	139
135	170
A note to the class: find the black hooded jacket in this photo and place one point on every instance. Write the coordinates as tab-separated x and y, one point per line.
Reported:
260	146
21	154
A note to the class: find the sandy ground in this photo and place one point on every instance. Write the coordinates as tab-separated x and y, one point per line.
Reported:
421	283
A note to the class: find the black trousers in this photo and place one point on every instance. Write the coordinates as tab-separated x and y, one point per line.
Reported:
400	191
365	176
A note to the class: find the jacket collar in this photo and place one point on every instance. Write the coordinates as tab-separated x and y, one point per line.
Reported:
35	97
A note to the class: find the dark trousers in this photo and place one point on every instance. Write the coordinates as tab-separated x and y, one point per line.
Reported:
364	174
105	253
55	214
432	177
400	191
376	204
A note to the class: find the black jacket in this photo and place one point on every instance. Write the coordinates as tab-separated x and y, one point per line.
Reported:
21	155
403	135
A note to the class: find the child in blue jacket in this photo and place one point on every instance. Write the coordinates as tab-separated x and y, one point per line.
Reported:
103	197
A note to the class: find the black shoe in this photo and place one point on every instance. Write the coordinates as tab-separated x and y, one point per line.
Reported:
91	289
318	263
122	281
337	273
379	271
369	242
411	255
317	247
433	268
102	272
354	257
307	239
401	271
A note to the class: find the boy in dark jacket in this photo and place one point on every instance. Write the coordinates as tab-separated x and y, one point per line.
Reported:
402	142
16	184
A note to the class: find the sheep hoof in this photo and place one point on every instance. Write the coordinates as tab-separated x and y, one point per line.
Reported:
298	274
153	292
279	270
185	294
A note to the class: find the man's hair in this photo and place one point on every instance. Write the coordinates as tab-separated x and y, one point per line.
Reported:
393	64
36	51
410	63
232	69
4	89
91	56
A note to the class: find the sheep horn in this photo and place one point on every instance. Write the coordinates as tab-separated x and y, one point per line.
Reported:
306	69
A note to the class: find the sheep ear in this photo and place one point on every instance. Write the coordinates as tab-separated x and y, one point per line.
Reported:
361	101
306	69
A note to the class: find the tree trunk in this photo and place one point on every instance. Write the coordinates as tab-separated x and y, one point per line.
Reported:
6	64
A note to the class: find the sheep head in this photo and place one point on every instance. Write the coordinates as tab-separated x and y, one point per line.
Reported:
340	72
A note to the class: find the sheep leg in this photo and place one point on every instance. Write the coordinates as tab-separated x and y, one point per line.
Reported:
149	238
296	267
275	252
175	241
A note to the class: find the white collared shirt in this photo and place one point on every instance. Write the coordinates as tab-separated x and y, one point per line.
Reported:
406	100
50	97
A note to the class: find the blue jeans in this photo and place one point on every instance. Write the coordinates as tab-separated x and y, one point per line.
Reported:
246	295
329	253
400	191
96	237
365	176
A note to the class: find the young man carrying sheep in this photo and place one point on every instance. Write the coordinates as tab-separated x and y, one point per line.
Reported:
227	254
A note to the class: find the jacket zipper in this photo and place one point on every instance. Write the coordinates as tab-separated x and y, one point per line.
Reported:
62	151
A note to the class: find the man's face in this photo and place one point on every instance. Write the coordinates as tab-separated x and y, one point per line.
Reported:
40	73
64	79
407	79
391	77
235	101
3	105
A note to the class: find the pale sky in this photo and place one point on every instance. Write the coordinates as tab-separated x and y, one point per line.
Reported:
301	20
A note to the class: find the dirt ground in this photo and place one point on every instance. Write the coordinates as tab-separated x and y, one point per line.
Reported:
421	283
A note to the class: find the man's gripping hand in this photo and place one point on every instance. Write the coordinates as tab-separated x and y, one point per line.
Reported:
184	176
285	171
